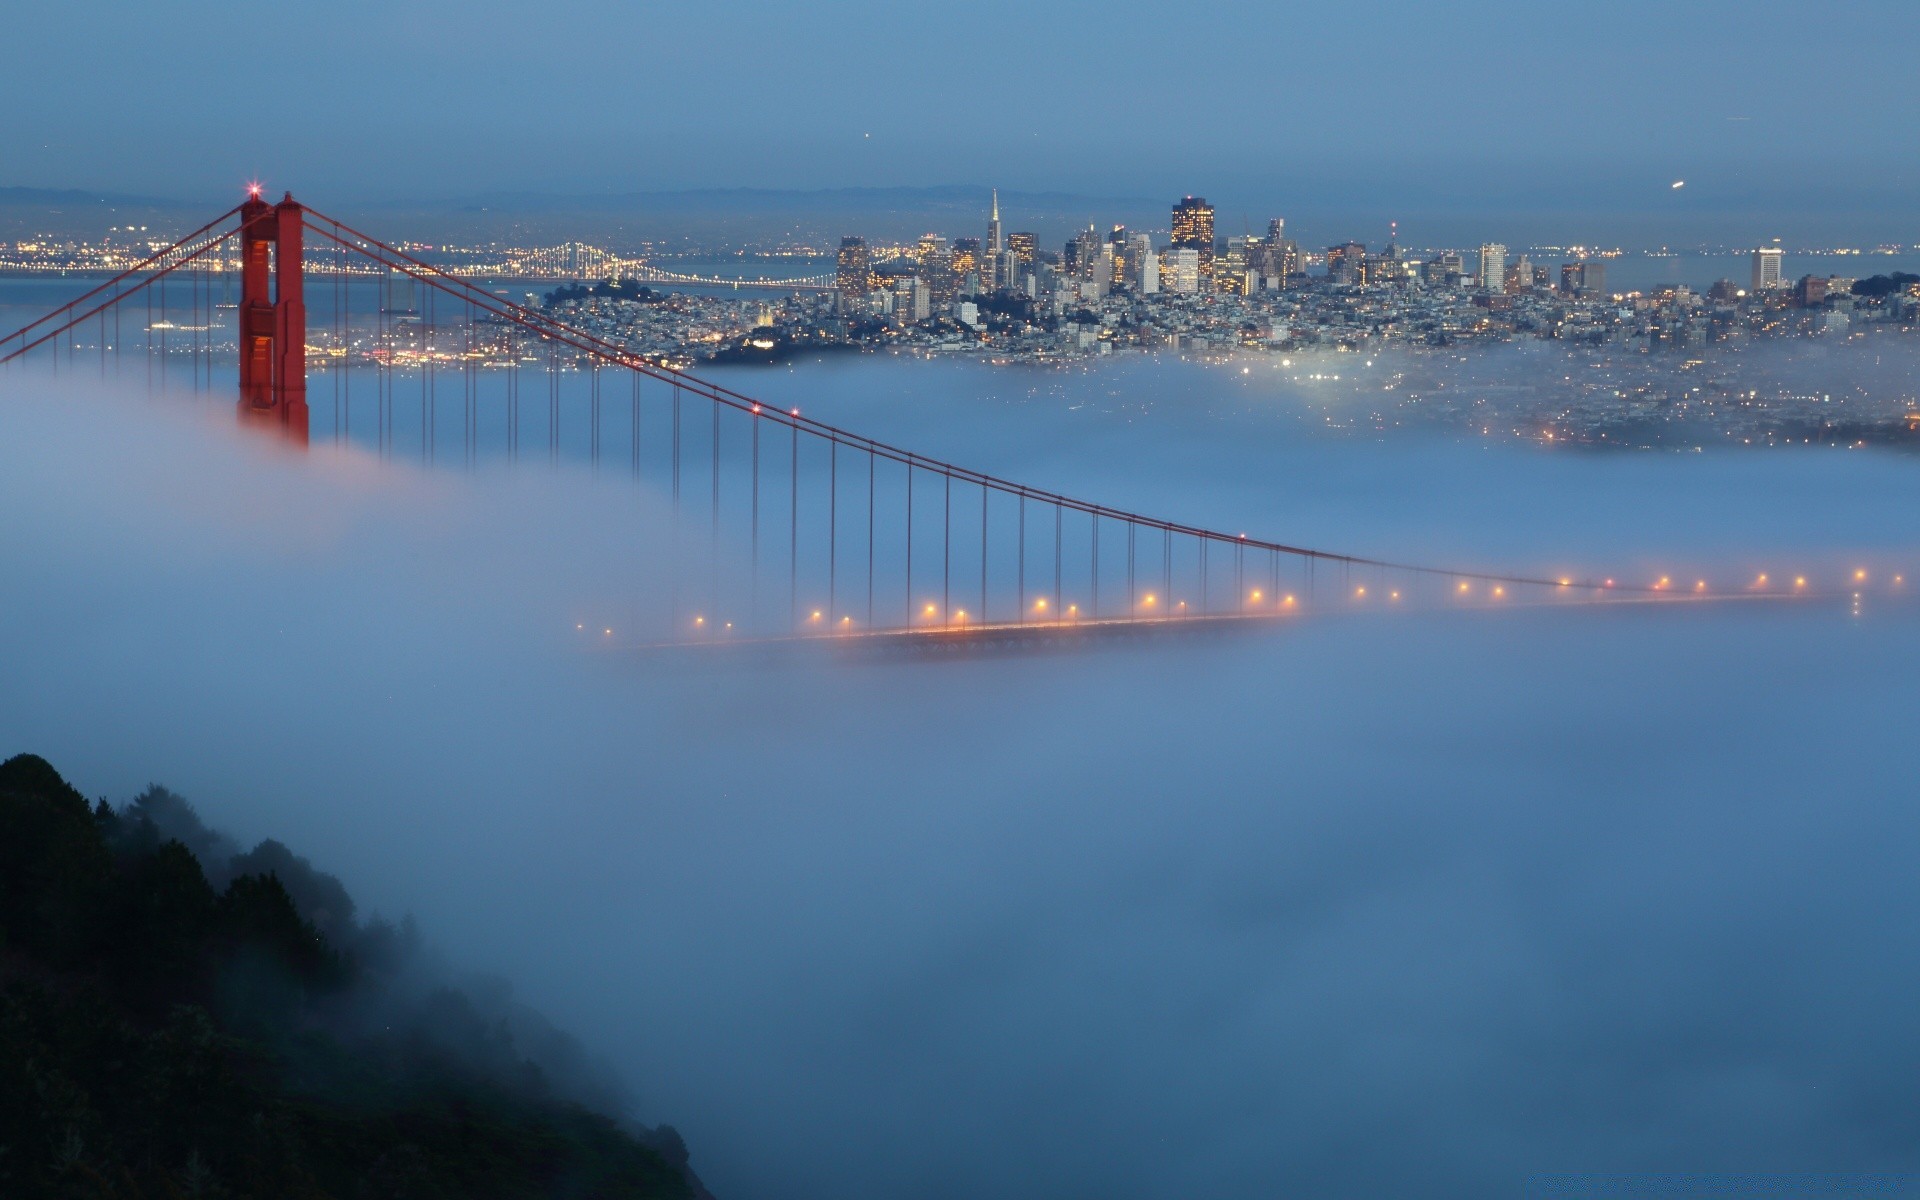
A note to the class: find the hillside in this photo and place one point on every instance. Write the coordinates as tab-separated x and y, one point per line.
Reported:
181	1019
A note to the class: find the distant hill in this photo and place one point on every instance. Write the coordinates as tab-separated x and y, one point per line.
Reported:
852	200
179	1018
43	198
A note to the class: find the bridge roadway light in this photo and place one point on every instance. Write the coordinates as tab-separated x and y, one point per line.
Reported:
1800	581
1288	601
1499	591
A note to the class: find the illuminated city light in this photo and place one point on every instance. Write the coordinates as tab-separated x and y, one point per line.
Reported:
1256	596
1040	605
699	620
1499	591
1393	595
1464	586
1359	592
1288	601
1800	581
1860	576
816	614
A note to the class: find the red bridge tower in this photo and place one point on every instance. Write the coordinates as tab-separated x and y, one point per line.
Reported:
273	316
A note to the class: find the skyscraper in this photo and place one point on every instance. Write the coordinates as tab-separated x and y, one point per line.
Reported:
1493	267
1766	269
1347	263
1193	230
936	269
967	260
1024	245
850	274
994	244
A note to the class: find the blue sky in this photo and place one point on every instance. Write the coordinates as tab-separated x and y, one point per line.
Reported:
1393	108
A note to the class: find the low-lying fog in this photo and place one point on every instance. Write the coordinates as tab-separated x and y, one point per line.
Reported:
1412	904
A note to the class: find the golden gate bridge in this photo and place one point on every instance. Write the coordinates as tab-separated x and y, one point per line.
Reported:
782	525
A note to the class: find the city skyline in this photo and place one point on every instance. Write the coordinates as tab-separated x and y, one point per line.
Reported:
1310	135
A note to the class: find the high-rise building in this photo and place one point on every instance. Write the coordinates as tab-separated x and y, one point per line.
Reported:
1180	271
1085	249
1347	263
1493	267
850	273
1193	230
967	260
1766	269
1008	275
912	300
1520	279
994	245
1143	266
1024	245
936	269
1230	269
1276	231
1584	278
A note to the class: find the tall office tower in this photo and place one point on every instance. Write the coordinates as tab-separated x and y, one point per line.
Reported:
1193	230
1143	268
1086	249
1024	245
1520	279
1276	231
1008	275
967	260
936	269
1230	269
850	272
1493	267
1593	278
1181	271
1766	269
994	244
1347	263
1570	279
912	300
